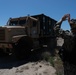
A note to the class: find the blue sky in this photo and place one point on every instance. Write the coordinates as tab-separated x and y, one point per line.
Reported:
53	8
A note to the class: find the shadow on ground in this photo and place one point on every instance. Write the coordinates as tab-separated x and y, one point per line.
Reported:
7	62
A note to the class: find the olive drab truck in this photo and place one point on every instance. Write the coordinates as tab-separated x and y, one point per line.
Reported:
21	36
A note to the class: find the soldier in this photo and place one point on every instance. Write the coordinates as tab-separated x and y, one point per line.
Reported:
67	51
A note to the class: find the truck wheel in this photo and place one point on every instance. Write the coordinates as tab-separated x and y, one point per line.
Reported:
23	47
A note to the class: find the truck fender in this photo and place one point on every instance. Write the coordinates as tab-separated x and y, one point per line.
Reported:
16	38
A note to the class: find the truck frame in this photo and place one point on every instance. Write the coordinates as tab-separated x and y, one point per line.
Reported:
21	36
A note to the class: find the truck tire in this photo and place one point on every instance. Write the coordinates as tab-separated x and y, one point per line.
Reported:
23	47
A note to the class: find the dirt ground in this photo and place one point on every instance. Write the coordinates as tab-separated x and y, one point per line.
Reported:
11	66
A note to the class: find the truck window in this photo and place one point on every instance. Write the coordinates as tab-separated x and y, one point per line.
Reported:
34	23
13	23
22	22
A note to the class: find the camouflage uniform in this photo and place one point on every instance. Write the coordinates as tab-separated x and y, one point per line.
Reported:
67	51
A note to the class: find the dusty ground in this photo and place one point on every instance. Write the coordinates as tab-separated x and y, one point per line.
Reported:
11	66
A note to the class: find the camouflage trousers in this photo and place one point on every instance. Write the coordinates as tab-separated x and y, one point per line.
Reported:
69	69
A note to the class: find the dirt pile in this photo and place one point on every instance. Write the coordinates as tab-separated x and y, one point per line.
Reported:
31	68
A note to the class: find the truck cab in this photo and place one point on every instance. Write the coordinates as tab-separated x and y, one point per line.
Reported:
18	31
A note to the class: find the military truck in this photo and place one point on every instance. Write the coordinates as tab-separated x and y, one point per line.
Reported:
21	36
